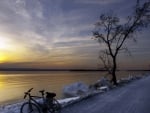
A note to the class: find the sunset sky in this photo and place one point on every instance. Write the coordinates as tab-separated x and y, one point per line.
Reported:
58	34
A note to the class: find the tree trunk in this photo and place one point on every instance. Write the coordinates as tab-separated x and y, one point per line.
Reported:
114	79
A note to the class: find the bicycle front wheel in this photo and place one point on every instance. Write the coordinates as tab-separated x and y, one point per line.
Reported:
29	108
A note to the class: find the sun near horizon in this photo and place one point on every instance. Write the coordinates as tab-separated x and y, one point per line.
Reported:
3	47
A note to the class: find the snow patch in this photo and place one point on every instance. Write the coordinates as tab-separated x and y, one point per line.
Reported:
15	108
75	89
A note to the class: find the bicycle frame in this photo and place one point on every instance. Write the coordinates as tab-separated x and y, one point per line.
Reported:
32	100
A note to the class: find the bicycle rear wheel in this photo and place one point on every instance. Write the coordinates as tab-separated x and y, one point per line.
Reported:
55	107
29	108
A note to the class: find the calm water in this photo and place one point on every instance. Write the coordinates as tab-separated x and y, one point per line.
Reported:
14	84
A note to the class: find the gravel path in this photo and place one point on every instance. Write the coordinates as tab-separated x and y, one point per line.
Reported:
131	98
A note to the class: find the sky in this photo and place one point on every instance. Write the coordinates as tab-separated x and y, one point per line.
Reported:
57	34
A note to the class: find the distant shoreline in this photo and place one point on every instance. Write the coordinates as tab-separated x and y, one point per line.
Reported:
33	69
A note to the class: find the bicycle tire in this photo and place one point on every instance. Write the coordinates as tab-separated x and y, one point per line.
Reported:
29	108
55	108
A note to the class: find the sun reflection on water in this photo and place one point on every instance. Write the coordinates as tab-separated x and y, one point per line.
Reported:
1	82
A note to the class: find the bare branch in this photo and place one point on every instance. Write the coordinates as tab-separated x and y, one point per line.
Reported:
114	34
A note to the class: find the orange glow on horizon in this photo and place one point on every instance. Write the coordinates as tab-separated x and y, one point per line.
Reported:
11	50
3	58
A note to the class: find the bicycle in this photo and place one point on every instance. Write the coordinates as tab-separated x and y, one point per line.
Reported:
48	105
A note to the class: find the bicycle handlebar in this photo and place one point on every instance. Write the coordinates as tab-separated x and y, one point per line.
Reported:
28	92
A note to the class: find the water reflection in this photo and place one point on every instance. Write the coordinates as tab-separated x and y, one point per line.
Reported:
2	81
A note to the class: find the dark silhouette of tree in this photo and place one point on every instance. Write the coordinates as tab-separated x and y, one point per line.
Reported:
113	33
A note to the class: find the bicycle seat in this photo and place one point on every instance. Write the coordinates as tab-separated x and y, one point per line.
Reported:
42	91
50	95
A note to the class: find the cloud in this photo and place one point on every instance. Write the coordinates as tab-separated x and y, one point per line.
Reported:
20	9
100	2
46	30
26	18
37	29
25	25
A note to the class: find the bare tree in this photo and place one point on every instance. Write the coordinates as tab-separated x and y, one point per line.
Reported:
114	34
